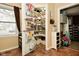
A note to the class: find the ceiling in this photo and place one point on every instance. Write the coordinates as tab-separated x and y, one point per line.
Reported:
72	10
39	4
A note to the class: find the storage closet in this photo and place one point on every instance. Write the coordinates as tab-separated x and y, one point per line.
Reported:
33	27
69	22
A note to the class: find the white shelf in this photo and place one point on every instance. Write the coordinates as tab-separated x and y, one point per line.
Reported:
28	30
40	24
40	35
39	30
31	22
39	17
29	17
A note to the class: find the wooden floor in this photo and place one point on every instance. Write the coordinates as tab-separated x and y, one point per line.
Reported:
66	51
75	45
14	52
40	51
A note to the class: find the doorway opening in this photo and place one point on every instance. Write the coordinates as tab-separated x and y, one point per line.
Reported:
69	26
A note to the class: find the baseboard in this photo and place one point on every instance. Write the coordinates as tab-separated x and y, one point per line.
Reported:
9	49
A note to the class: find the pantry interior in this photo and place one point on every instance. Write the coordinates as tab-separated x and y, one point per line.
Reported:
38	27
35	27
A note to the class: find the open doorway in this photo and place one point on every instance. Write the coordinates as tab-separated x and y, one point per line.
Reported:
69	26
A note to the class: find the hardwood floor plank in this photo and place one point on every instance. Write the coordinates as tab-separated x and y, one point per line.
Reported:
40	51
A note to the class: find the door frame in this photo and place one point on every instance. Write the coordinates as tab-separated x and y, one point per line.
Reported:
67	6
